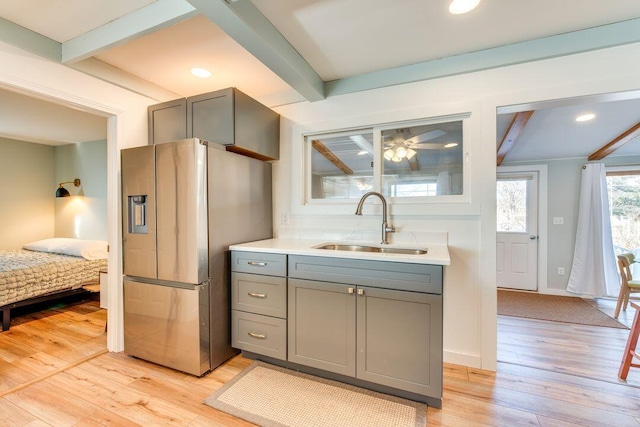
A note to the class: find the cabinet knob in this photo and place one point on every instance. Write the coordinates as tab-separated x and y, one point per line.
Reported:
360	291
350	290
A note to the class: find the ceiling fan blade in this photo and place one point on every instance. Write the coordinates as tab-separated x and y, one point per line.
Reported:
424	137
434	145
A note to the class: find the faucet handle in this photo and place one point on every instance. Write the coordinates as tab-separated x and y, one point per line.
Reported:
389	228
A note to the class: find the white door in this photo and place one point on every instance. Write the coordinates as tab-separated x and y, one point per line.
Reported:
517	231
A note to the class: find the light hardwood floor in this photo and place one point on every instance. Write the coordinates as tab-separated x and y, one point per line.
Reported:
54	370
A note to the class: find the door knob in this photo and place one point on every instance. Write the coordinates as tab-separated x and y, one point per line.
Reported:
533	237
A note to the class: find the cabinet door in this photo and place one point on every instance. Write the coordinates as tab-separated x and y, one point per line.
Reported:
321	325
167	121
400	339
210	117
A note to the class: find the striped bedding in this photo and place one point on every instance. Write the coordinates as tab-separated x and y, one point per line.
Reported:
25	274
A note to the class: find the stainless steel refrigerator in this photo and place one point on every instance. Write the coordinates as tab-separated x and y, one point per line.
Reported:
183	204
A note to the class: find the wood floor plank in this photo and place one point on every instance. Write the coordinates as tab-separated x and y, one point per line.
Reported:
464	405
52	404
13	375
556	387
14	416
40	364
131	404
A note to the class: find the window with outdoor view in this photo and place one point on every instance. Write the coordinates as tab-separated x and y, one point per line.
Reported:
407	160
624	205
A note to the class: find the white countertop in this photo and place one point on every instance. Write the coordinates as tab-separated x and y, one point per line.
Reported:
437	254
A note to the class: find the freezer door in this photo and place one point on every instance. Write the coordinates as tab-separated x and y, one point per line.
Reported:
168	325
181	188
138	211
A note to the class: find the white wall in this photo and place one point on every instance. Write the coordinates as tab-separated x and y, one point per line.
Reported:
26	174
469	290
82	217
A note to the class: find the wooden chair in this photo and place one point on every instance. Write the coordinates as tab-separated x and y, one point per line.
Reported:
630	349
627	284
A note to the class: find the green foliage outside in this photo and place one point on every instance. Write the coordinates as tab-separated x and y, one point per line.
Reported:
624	204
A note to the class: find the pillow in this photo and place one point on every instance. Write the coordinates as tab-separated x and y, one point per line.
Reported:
88	249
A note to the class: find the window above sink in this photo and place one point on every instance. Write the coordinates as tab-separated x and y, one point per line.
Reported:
412	163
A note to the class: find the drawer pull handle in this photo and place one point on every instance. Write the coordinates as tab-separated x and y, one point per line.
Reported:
256	295
259	336
350	290
257	264
360	291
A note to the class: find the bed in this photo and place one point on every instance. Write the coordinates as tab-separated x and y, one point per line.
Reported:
48	269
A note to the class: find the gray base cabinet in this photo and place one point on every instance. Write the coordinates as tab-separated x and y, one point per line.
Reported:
372	323
399	334
322	326
399	339
259	303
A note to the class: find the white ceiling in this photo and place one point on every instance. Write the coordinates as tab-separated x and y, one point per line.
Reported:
288	51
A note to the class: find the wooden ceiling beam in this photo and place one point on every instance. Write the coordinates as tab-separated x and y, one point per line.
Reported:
616	143
515	128
328	154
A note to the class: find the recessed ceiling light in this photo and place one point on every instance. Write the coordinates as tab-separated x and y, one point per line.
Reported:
585	117
458	7
451	144
201	72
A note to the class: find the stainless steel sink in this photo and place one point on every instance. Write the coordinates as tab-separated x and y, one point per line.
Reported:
377	249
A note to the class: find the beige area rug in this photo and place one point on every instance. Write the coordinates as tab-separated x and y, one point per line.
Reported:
554	308
271	396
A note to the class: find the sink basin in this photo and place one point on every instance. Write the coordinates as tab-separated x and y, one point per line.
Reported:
377	249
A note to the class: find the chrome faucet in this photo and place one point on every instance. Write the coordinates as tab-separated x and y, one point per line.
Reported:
386	228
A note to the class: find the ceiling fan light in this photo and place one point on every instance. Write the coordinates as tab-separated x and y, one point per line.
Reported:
458	7
388	154
411	153
396	159
401	152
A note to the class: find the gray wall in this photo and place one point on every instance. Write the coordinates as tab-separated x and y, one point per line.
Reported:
31	172
82	217
563	200
27	175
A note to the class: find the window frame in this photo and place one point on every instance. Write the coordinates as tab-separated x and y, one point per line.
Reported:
301	202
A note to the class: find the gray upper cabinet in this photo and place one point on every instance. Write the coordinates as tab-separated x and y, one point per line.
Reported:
227	117
168	121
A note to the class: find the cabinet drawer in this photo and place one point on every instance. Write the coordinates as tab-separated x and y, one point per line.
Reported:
259	263
259	294
259	334
423	278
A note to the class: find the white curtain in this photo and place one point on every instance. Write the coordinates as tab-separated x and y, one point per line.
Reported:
443	184
593	272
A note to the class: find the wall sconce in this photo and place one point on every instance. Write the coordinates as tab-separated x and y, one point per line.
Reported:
62	192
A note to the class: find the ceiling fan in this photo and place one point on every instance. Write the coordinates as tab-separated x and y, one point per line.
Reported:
398	147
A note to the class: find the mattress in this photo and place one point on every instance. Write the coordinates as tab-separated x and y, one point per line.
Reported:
26	274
